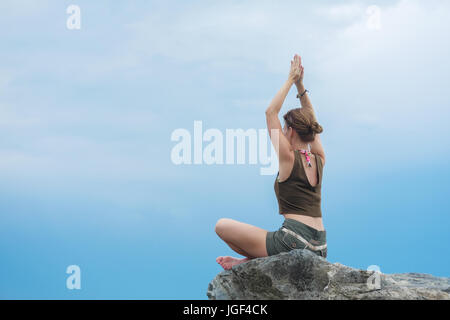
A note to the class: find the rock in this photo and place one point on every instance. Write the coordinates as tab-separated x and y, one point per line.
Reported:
300	274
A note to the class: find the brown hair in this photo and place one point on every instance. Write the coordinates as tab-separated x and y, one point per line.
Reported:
302	120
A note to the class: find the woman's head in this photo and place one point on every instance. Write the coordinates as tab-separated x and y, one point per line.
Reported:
302	122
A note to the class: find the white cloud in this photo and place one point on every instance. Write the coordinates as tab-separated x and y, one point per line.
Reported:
388	80
249	31
10	118
22	8
248	104
75	157
348	12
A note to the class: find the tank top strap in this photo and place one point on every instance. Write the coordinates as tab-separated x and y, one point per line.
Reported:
296	165
319	167
295	168
320	160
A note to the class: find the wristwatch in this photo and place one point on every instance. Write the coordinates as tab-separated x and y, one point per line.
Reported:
301	95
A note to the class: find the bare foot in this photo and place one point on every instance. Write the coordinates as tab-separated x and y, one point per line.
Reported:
227	262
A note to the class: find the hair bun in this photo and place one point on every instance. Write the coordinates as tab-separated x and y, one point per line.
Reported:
316	127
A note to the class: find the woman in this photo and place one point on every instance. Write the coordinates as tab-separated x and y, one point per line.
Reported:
297	185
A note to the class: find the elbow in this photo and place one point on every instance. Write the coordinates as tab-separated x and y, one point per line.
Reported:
269	111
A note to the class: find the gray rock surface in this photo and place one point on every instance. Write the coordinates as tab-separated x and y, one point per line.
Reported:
300	274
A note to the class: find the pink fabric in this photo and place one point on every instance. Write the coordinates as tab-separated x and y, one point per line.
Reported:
307	155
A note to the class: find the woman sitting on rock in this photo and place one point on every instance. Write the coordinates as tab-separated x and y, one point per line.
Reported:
297	185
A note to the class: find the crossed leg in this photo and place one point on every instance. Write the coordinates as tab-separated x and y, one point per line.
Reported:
245	239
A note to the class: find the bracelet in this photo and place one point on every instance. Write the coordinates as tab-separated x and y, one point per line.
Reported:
301	95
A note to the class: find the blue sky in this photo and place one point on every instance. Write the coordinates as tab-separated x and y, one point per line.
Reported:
86	118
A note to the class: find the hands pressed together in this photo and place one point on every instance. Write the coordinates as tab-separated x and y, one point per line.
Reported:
296	71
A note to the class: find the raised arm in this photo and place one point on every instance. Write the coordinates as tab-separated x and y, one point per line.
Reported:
316	146
281	144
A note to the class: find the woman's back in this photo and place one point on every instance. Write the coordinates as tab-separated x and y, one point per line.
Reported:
299	195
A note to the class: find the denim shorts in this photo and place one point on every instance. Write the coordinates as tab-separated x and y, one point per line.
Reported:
280	241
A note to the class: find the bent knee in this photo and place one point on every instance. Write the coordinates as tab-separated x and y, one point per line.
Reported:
222	225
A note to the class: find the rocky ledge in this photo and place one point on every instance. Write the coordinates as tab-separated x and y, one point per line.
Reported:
300	274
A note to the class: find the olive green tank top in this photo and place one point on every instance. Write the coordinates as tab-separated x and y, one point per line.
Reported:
295	195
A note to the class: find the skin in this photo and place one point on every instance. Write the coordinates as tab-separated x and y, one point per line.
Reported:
248	240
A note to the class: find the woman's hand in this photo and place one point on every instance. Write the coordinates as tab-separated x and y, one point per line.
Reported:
296	71
300	80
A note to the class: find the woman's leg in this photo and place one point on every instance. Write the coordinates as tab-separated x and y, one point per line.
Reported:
227	262
238	250
244	238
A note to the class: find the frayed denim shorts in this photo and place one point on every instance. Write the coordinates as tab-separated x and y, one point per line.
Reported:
294	234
